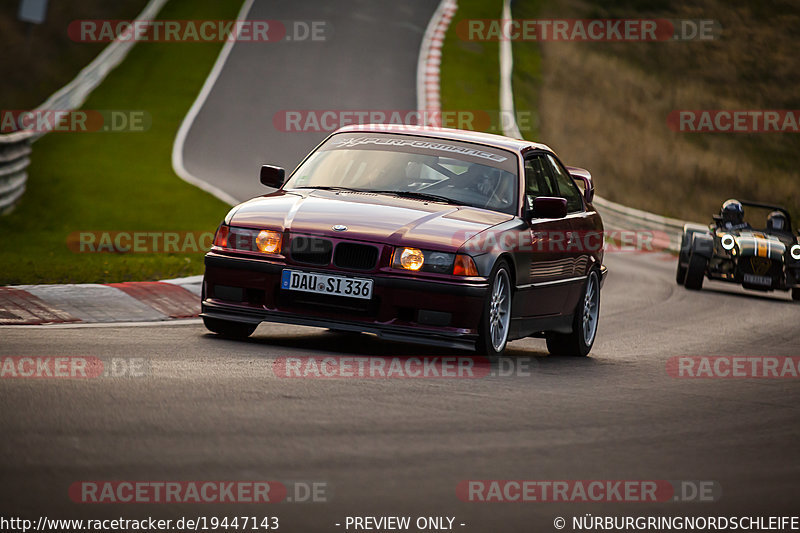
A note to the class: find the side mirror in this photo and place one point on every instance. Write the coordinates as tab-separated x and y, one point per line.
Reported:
549	207
272	176
586	177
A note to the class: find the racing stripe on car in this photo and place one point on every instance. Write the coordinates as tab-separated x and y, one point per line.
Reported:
762	248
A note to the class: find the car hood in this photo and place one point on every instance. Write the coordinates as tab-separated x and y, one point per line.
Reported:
759	244
369	217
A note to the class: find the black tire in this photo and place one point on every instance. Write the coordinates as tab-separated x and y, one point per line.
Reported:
579	343
796	295
497	312
680	275
695	272
683	259
229	329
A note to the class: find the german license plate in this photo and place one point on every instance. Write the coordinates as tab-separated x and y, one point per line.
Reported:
296	280
758	280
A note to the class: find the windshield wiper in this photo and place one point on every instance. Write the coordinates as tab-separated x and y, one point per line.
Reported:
421	196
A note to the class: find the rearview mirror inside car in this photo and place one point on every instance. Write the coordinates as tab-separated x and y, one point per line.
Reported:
549	207
272	176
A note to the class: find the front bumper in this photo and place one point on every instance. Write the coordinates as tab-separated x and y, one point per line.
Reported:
431	311
784	277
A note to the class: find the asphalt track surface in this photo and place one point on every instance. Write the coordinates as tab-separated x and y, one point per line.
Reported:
368	63
213	409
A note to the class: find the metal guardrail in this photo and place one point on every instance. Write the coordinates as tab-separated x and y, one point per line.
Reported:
15	151
620	217
15	148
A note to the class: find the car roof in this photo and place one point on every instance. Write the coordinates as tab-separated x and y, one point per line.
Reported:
488	139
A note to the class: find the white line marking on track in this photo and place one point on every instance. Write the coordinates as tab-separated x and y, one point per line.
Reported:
510	128
186	125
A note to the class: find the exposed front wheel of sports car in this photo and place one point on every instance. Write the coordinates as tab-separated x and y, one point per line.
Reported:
695	272
227	328
680	275
584	324
496	320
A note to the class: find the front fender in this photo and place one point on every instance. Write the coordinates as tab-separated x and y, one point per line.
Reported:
703	245
689	230
488	245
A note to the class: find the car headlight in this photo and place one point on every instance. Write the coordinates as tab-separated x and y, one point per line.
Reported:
423	260
795	252
728	242
268	241
248	240
438	262
409	258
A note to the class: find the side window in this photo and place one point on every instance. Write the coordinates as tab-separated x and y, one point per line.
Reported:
566	186
537	182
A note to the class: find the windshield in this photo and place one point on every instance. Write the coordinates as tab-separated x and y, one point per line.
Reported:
432	169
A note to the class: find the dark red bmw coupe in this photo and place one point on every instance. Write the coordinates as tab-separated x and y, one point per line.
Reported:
416	234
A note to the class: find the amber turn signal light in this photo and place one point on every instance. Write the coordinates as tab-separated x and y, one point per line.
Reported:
464	266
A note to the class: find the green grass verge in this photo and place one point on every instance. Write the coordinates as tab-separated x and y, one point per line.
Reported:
470	70
118	181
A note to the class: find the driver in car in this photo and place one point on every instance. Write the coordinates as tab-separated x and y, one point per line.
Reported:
732	216
490	183
777	222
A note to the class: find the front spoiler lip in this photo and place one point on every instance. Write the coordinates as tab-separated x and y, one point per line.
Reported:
784	281
394	333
